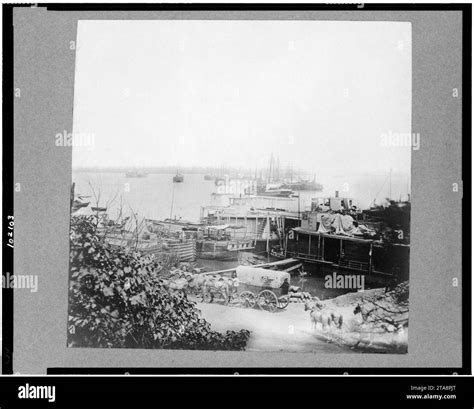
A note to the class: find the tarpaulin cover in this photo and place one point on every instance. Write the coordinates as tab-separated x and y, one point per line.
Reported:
219	227
336	223
261	277
325	225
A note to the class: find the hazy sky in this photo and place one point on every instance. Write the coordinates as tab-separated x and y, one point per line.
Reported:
317	94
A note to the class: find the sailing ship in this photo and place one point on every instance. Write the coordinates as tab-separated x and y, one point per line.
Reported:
304	185
178	178
275	190
277	185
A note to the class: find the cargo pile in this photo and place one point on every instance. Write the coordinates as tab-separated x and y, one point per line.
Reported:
298	296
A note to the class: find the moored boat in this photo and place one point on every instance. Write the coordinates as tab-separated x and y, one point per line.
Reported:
304	185
275	190
78	204
178	178
218	244
99	209
172	226
223	250
184	248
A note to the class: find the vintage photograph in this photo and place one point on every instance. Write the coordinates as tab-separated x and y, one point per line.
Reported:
241	185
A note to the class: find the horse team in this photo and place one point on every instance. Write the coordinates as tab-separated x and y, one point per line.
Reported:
206	286
319	313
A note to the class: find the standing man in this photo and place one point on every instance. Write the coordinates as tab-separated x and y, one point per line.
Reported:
285	287
234	284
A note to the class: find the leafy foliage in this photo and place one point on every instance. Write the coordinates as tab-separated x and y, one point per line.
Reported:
401	293
118	300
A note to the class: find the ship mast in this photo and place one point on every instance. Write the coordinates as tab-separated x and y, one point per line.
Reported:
171	210
271	168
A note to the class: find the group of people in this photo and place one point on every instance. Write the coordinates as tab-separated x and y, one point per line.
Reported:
227	286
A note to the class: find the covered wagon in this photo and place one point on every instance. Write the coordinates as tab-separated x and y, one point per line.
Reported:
268	289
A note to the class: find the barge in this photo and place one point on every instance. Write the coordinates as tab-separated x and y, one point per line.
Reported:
218	243
184	249
366	256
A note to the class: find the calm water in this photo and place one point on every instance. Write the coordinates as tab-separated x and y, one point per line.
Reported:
152	196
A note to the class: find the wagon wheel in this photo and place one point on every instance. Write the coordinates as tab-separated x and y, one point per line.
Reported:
283	302
247	299
267	300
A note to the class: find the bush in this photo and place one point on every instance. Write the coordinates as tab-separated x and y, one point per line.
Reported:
401	293
117	300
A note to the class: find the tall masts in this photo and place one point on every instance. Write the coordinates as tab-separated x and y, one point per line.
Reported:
273	169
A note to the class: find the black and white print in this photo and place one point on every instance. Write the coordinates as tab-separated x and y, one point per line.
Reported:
241	185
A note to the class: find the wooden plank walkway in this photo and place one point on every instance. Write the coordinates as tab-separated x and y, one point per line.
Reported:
262	265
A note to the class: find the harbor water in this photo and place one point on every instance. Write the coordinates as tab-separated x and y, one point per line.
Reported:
157	197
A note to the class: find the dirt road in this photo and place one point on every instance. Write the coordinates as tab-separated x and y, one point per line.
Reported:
288	330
